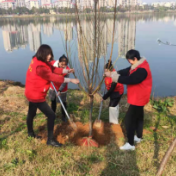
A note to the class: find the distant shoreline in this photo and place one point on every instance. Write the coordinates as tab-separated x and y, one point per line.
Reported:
87	14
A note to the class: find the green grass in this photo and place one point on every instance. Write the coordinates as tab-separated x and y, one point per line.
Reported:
27	156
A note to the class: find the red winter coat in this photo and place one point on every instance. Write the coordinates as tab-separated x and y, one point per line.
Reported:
38	78
139	94
57	85
119	87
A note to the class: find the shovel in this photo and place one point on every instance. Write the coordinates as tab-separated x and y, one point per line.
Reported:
98	122
71	122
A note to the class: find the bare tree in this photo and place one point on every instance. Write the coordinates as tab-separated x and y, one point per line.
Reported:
91	49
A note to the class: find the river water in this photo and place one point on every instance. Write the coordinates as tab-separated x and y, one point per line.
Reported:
20	39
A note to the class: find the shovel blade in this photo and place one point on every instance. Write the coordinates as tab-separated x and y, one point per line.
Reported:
97	123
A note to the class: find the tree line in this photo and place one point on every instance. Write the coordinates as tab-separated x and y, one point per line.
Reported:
24	10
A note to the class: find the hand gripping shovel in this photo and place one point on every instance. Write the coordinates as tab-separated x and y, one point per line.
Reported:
71	122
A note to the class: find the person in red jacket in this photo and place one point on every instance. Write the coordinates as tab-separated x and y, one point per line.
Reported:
138	79
61	88
115	92
39	75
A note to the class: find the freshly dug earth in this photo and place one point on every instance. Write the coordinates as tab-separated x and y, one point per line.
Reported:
102	135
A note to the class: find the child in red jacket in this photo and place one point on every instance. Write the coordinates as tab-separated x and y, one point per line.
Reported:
115	92
61	88
39	75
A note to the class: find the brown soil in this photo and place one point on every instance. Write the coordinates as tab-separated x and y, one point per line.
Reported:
102	135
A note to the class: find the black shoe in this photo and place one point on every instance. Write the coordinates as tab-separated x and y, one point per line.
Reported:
34	136
54	143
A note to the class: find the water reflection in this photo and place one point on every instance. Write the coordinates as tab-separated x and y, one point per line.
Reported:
48	29
20	38
20	32
14	37
34	36
126	36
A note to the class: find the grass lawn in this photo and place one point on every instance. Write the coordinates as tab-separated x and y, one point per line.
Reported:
20	155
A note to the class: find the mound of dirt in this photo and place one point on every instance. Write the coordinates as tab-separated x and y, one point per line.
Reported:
102	135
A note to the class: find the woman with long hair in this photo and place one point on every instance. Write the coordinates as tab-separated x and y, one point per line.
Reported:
38	78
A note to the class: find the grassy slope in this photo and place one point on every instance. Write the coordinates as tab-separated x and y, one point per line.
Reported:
24	156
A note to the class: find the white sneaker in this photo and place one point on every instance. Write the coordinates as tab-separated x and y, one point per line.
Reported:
127	146
136	139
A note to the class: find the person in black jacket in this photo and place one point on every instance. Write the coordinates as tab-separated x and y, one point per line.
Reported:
138	79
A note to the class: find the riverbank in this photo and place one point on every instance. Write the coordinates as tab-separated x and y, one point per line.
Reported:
26	156
73	15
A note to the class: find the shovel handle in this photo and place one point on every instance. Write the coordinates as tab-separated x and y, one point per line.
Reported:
100	110
61	102
101	104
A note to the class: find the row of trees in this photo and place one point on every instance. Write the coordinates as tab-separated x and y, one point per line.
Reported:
24	10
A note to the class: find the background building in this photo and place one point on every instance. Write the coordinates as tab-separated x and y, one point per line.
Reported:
32	3
20	3
7	4
46	3
63	4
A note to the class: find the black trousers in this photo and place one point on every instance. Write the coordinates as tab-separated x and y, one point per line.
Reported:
44	107
134	122
54	105
114	101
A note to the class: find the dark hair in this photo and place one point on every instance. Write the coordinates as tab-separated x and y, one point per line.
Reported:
131	54
43	52
109	65
63	58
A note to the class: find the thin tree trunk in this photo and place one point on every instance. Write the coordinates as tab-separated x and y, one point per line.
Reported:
166	157
95	38
90	115
113	33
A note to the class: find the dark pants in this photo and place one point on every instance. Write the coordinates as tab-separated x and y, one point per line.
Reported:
54	105
134	122
44	107
114	101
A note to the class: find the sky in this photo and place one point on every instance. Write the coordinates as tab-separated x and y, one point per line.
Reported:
150	1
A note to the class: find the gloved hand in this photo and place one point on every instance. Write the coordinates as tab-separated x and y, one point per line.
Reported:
74	81
71	71
115	76
58	93
65	71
